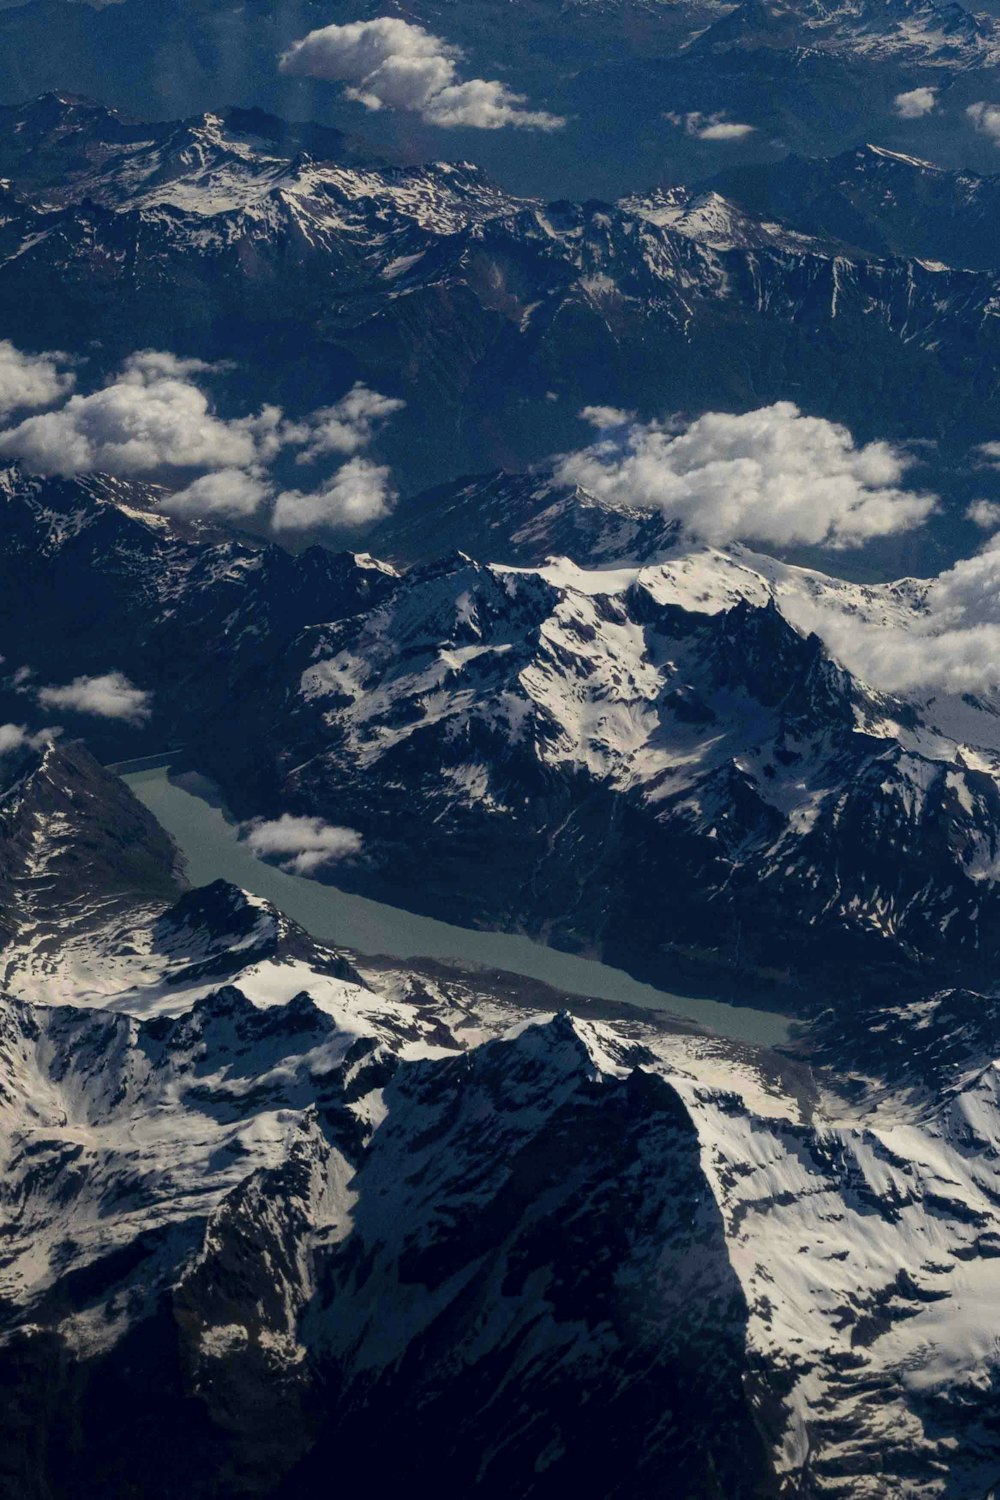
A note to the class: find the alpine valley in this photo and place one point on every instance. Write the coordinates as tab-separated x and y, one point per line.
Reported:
526	473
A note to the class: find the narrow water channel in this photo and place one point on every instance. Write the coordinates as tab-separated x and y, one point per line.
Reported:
213	851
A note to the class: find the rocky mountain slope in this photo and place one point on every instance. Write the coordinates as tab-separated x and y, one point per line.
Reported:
545	748
278	1218
198	1239
265	1203
915	32
180	608
882	202
660	761
519	518
75	848
246	1318
808	77
496	317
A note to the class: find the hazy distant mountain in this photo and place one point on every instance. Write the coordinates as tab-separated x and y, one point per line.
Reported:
812	77
877	201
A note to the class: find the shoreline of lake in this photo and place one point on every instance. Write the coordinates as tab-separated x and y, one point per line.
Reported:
213	851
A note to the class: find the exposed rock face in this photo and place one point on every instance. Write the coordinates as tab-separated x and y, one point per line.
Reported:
183	609
260	1208
76	850
519	518
883	202
255	1318
277	1219
655	761
496	317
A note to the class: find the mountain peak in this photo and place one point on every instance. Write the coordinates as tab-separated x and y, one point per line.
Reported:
883	153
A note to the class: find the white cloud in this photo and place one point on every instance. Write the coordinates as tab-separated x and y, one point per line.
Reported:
985	513
389	63
915	103
346	427
30	380
949	643
152	417
772	476
604	418
917	662
360	492
306	843
710	127
18	737
12	737
724	130
110	696
986	119
158	364
226	493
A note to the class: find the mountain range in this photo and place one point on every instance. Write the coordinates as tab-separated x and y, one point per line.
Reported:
563	530
496	318
262	1197
609	733
812	77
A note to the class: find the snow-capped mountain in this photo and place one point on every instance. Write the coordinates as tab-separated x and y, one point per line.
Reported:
878	201
519	518
259	1210
70	147
660	761
94	906
247	1189
496	318
919	32
198	1148
810	77
61	872
706	216
606	732
279	1217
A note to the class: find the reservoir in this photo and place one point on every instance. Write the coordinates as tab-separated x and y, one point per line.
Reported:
213	851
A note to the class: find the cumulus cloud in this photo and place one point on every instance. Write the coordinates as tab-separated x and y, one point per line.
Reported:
109	696
156	364
346	427
605	418
359	493
303	844
985	513
30	380
152	417
986	119
915	103
772	476
908	662
389	63
710	127
18	737
226	494
949	641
